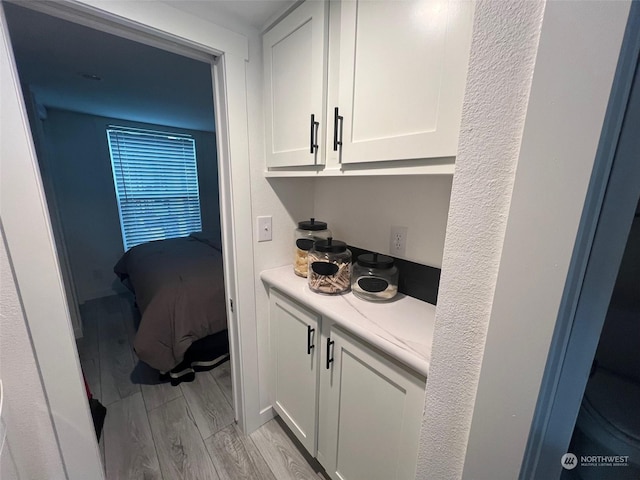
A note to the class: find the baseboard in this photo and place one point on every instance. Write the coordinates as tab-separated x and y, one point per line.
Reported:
256	421
267	414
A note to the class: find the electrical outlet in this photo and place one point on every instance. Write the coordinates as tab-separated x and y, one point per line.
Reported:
264	229
398	241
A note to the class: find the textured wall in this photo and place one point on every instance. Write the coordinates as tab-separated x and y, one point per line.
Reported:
30	432
575	64
503	52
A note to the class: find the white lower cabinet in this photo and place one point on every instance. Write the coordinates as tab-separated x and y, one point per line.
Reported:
294	367
368	406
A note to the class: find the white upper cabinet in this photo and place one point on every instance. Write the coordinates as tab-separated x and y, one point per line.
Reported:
385	79
403	68
295	62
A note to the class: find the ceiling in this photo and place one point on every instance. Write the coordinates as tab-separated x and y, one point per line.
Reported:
137	82
254	13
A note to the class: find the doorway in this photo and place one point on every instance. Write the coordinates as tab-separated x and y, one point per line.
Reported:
94	98
606	437
589	298
33	254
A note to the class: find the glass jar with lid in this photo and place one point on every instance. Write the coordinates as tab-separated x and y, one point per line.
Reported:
308	231
375	277
329	267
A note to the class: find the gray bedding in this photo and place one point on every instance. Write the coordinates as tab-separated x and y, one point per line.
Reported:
179	289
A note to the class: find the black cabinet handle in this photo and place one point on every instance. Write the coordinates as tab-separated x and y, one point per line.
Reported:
329	352
314	134
337	119
310	346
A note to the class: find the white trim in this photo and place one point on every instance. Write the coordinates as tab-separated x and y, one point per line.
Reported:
105	22
267	414
54	214
235	213
164	21
276	17
150	23
226	225
32	249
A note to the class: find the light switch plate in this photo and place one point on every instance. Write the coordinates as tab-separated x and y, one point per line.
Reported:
264	229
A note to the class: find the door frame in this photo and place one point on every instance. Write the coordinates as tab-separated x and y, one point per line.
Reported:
610	206
37	271
54	214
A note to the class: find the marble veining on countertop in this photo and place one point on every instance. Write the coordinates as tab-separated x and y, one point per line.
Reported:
402	328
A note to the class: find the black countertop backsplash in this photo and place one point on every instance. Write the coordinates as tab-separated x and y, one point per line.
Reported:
416	280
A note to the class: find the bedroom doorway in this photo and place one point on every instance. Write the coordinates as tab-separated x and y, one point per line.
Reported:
196	401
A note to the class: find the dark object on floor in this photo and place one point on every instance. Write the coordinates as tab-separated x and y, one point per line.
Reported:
98	412
204	354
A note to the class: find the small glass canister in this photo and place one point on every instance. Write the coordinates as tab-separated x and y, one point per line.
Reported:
304	236
329	267
375	277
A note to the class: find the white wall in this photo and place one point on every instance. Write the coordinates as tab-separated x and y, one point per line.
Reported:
8	467
512	224
361	211
80	168
30	432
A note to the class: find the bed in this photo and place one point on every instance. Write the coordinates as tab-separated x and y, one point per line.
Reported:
179	289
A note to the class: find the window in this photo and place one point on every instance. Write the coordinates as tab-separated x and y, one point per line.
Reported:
156	180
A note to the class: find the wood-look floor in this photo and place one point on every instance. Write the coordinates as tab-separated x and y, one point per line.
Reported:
154	431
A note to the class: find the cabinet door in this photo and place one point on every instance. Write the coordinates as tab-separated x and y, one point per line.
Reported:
403	69
294	354
294	75
373	413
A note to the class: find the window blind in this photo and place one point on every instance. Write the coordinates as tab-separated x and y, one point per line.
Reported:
156	181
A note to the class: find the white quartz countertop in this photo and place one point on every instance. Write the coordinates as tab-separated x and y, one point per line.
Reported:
402	327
